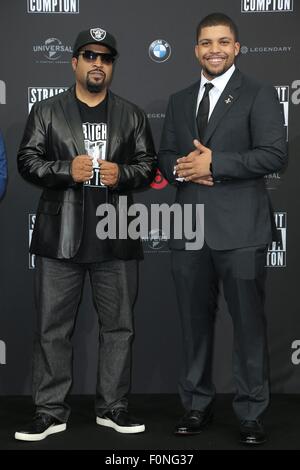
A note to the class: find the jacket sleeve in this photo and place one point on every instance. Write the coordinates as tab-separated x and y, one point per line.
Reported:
168	152
3	167
141	170
268	153
34	161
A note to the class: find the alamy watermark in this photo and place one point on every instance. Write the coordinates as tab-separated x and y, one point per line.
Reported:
296	92
137	220
2	352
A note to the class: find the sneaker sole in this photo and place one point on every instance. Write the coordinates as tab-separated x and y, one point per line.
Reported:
39	437
123	429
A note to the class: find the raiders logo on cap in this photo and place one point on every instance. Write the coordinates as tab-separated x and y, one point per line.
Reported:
98	34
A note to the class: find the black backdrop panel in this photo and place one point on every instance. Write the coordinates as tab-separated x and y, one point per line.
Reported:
36	38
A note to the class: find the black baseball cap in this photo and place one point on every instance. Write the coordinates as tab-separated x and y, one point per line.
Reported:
95	36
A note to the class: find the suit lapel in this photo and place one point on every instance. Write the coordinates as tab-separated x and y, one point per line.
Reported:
114	118
190	109
227	99
72	115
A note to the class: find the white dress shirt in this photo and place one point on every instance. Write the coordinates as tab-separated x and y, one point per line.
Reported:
219	84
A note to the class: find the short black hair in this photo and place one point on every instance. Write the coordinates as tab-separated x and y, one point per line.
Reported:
216	19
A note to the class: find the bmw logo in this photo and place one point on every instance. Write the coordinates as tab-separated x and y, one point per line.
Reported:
159	50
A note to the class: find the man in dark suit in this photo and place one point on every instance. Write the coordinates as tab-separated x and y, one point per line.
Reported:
221	137
85	147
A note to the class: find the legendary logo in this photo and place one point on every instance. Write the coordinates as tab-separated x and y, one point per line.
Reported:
156	115
53	6
53	50
265	49
262	6
159	50
36	94
31	222
2	92
276	255
2	352
98	34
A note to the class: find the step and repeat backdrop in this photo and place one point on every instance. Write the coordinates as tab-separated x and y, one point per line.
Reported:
156	44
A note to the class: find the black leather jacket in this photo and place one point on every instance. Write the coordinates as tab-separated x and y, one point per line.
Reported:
53	137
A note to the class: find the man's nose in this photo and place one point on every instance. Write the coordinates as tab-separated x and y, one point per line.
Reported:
215	46
98	60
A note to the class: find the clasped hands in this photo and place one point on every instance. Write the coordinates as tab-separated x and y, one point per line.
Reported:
195	167
82	170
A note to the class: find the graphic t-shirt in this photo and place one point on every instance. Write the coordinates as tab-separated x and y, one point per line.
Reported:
94	126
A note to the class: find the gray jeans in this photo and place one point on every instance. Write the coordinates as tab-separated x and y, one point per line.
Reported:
58	288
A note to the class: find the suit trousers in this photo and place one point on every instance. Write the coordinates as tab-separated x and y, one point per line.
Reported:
242	272
58	290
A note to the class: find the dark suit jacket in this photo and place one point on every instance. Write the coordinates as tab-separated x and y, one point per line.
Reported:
53	137
246	135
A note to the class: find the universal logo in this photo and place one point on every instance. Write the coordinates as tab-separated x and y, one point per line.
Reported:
2	92
295	358
2	352
265	49
54	51
276	256
156	242
159	50
53	6
36	94
266	6
31	222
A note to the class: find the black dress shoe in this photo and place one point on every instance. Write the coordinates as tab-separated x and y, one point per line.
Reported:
252	433
120	420
193	422
41	426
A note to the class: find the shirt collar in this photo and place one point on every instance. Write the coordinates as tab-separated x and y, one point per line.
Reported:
218	82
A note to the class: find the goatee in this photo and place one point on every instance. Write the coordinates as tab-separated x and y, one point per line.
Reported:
94	87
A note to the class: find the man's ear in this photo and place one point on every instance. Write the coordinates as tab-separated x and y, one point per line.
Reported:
74	63
237	47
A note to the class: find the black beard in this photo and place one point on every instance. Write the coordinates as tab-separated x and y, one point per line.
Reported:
217	74
214	75
94	87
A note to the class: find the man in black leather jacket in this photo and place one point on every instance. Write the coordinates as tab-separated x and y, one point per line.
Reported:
85	147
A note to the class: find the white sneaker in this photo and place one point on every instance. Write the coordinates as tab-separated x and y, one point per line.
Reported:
42	426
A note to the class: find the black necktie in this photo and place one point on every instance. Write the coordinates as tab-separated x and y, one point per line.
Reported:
203	111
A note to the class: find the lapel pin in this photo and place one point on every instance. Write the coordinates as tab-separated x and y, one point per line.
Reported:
229	99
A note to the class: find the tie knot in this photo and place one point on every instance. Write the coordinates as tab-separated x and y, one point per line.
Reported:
208	86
